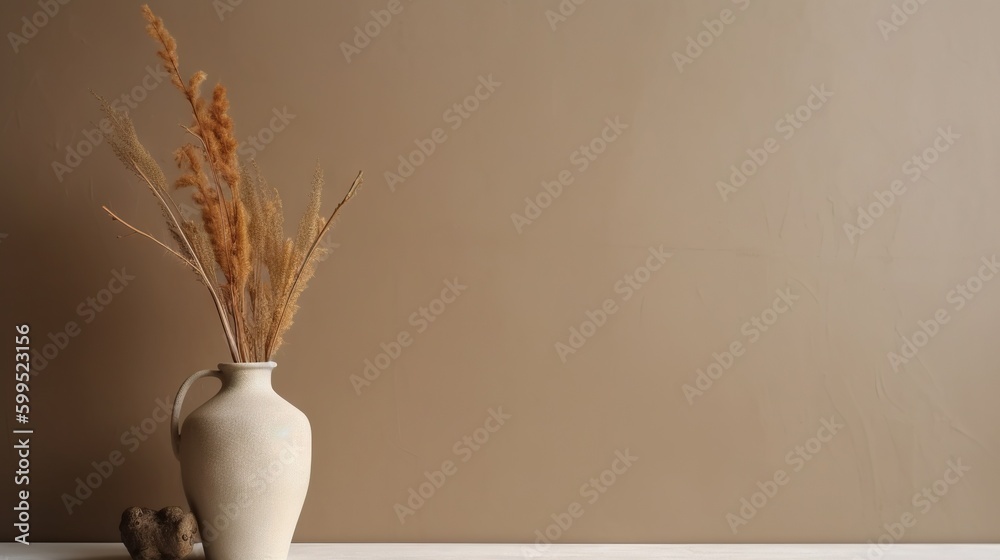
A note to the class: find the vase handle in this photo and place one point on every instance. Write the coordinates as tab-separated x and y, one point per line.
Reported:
175	417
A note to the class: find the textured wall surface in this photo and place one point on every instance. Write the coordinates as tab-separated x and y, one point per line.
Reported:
724	269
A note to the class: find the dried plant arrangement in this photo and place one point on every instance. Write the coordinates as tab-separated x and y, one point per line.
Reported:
237	248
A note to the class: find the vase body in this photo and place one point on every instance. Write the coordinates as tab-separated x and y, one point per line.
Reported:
245	457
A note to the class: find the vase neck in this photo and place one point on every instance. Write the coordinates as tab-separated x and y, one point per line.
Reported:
251	376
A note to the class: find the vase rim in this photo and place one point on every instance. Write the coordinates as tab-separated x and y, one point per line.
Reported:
232	365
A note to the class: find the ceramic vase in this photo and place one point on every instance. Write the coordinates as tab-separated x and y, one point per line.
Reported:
245	458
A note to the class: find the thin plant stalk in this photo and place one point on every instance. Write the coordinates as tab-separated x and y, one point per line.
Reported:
116	218
230	338
195	267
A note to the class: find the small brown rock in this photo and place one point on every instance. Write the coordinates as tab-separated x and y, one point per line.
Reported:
167	534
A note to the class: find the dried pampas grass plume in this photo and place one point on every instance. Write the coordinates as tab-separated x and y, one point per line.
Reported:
237	247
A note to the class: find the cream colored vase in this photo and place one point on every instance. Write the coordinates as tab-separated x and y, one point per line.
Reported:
245	460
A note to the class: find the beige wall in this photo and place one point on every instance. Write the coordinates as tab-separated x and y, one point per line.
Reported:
826	357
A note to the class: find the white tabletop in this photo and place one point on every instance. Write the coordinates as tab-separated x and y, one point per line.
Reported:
310	551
